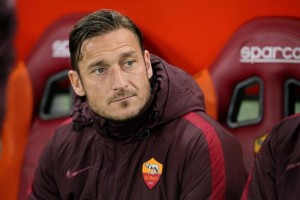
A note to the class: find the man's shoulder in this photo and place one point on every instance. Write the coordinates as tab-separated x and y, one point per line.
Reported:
288	129
206	127
65	128
293	120
214	134
69	132
206	124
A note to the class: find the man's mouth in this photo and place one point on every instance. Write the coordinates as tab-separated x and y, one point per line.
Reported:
121	99
122	96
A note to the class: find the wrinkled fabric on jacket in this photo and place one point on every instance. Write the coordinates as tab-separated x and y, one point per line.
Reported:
276	172
173	151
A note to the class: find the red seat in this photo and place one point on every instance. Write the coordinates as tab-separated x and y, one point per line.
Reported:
47	66
256	79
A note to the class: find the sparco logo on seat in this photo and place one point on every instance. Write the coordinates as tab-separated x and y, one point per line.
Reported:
270	54
60	49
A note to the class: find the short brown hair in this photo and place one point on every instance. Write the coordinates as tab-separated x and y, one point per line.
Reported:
96	24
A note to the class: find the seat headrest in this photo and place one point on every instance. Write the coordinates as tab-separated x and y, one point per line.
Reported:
267	47
51	54
262	46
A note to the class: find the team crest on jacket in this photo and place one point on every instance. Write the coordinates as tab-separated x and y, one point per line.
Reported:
152	171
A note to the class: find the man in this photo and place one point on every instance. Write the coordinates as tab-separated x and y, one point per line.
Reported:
139	128
276	171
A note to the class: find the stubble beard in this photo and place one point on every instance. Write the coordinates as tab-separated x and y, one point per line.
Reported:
123	105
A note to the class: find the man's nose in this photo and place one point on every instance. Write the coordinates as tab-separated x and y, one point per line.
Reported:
118	79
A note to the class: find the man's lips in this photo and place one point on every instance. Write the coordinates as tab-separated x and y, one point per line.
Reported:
121	98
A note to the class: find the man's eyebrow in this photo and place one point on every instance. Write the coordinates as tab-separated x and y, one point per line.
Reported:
102	63
128	54
97	63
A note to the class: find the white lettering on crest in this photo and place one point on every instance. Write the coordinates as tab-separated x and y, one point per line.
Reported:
60	49
270	54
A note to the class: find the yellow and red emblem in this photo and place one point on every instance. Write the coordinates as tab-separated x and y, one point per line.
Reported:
152	171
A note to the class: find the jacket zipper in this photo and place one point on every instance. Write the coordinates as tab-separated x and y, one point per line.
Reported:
112	175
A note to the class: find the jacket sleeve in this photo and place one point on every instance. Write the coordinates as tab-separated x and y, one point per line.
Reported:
44	186
196	182
214	168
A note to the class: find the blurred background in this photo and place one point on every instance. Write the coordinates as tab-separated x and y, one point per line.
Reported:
211	40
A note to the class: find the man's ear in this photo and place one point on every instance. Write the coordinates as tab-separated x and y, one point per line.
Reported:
76	83
149	69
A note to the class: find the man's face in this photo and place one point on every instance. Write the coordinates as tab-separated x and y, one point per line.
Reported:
114	75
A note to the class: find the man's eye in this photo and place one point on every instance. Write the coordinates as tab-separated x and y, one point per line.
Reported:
99	70
129	63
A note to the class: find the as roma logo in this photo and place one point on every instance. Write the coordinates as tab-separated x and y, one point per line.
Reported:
152	171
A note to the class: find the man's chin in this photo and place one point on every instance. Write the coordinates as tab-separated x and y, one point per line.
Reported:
122	117
125	114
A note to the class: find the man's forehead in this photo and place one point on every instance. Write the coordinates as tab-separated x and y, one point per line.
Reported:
110	42
116	36
105	60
